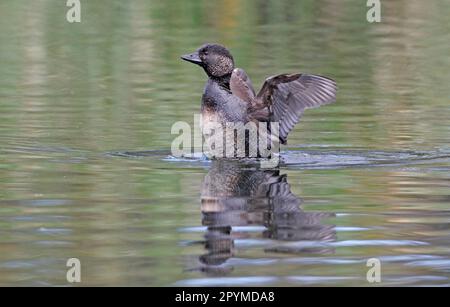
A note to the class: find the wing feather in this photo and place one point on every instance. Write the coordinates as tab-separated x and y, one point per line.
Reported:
287	96
241	85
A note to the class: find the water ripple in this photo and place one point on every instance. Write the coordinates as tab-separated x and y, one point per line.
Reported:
314	159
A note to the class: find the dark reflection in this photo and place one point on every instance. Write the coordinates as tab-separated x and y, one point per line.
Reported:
237	196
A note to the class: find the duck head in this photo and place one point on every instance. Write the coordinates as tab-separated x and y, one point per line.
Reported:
215	59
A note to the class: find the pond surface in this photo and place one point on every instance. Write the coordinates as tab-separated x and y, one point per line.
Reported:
85	130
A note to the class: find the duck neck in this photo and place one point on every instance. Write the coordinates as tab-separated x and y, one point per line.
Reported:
223	81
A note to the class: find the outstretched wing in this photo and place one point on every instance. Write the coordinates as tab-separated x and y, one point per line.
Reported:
241	86
287	96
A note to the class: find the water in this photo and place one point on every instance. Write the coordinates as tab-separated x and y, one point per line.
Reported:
86	172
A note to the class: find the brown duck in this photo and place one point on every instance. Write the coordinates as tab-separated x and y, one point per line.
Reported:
229	95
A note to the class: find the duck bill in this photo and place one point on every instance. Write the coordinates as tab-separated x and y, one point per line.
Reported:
193	58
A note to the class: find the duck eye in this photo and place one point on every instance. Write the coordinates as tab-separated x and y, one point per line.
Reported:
205	52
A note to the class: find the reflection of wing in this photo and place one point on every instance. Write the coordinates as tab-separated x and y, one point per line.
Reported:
287	96
241	85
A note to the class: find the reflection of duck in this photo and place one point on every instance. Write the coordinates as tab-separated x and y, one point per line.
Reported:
236	194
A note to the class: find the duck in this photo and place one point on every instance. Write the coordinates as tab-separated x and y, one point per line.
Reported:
229	96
